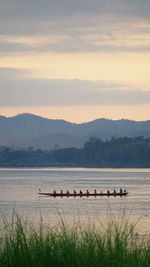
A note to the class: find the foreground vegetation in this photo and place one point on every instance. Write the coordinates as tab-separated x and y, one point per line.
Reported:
115	153
77	246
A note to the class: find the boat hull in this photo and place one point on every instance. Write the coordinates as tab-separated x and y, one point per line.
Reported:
83	195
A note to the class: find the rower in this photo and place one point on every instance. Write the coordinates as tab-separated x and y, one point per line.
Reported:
68	192
74	191
80	192
87	192
108	192
61	192
114	192
54	192
95	192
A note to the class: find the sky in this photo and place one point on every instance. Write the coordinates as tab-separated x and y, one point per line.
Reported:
75	60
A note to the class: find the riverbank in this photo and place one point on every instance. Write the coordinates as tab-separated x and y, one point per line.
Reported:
23	244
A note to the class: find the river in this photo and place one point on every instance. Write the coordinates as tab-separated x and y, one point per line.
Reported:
19	192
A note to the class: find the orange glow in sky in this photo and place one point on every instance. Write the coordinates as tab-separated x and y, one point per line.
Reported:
75	62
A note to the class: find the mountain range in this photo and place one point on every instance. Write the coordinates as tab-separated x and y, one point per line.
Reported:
28	130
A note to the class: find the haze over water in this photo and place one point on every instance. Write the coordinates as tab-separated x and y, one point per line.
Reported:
19	191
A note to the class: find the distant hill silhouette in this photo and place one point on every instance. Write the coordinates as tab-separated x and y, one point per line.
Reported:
26	130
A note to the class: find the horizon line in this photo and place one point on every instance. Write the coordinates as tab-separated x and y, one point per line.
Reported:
44	117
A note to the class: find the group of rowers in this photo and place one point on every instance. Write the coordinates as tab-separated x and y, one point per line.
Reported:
87	192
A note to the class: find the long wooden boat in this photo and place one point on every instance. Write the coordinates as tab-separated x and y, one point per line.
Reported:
83	194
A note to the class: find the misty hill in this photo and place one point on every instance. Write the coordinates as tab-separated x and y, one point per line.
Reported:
26	130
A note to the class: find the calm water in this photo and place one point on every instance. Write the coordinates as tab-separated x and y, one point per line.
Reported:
19	191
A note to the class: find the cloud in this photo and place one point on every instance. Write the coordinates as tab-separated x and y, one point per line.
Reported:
71	7
98	25
20	91
110	37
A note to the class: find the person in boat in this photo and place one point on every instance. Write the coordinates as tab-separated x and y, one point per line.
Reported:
54	192
68	192
74	191
114	192
87	192
108	192
121	190
80	192
95	192
61	192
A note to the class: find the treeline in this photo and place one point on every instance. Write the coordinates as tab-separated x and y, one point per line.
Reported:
121	152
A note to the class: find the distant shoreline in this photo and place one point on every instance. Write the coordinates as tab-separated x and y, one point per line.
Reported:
71	167
115	153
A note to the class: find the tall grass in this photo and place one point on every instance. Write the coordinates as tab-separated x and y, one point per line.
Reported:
24	245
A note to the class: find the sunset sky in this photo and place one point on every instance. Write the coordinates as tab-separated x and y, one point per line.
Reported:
76	60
